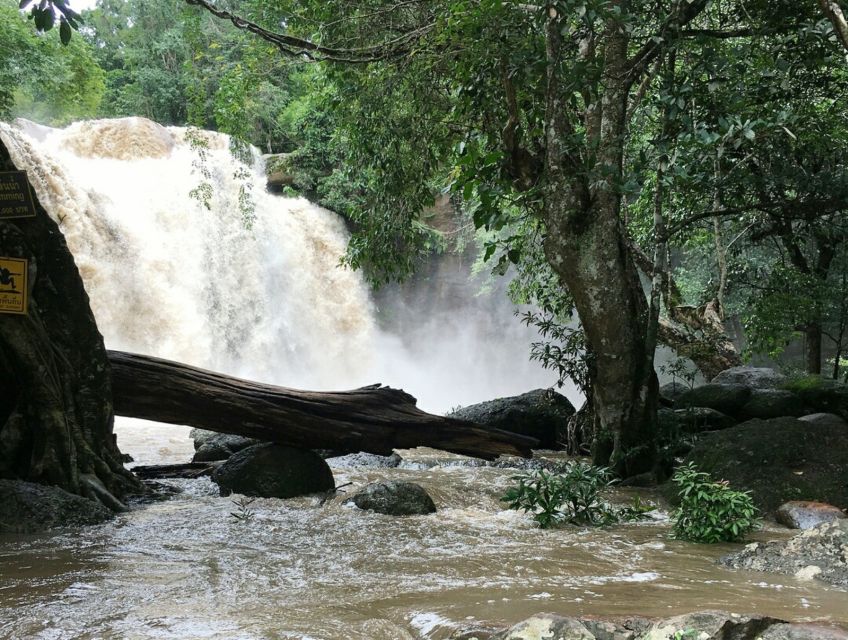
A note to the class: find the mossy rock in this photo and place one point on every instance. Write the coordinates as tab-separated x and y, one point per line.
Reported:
726	398
26	507
779	460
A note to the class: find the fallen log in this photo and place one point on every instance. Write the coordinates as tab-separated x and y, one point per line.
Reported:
375	419
184	470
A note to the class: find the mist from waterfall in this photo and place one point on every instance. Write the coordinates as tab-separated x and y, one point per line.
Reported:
169	278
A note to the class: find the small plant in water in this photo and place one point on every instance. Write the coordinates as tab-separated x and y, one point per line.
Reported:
570	497
710	511
243	512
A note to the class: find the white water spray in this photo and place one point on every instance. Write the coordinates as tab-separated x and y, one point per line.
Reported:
167	277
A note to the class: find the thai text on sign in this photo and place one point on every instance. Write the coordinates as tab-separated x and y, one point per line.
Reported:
13	285
15	195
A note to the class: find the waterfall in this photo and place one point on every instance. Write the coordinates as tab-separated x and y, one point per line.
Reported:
269	302
168	277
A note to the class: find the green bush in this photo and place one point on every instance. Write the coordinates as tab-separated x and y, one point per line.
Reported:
710	511
570	497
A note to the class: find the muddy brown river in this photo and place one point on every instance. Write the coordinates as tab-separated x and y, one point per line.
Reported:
184	568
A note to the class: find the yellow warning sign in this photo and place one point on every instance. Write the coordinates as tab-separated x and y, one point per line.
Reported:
13	285
15	195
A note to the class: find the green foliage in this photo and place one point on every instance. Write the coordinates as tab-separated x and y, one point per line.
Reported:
570	497
710	511
40	78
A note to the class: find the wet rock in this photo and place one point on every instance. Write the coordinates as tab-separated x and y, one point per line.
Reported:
806	515
541	414
366	460
753	377
697	419
772	403
544	626
785	631
726	398
710	625
822	547
778	460
210	446
273	471
394	499
822	395
671	391
829	419
26	507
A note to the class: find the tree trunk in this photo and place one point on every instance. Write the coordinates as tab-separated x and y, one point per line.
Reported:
374	419
55	410
814	348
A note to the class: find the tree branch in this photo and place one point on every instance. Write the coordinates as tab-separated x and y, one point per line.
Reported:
834	13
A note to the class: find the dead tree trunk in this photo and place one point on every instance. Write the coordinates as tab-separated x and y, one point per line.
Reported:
55	409
375	419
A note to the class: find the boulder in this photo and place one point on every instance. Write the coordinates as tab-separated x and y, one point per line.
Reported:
26	507
710	625
753	377
546	625
815	553
671	391
273	471
785	631
727	398
394	499
541	414
822	395
210	446
806	515
772	403
778	460
696	419
365	460
825	419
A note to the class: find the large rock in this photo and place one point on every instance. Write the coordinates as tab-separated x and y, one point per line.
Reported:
797	514
394	499
818	553
210	446
754	377
365	460
274	471
674	422
824	419
32	508
710	625
779	460
541	414
671	391
727	398
772	403
822	395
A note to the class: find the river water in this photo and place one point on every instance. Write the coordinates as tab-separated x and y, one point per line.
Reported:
184	568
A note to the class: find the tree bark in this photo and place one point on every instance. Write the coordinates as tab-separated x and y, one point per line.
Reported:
813	333
586	246
55	410
375	419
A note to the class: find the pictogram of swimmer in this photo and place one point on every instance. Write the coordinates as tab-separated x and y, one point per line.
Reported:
8	278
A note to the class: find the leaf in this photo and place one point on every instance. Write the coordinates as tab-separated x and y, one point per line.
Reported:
64	32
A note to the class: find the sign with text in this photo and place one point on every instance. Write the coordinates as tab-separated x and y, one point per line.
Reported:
13	285
15	196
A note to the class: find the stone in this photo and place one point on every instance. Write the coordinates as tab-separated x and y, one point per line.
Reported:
727	398
545	626
778	460
210	445
772	403
26	507
830	419
822	395
210	452
786	631
823	547
671	391
753	377
798	514
365	460
541	414
394	498
710	625
274	471
697	419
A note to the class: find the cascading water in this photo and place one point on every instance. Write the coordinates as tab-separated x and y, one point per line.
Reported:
170	278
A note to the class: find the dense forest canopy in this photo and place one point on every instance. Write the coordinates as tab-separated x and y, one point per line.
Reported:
646	170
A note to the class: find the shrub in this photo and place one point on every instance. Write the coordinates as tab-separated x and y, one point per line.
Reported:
710	511
570	497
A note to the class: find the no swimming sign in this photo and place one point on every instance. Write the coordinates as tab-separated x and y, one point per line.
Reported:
13	285
15	195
